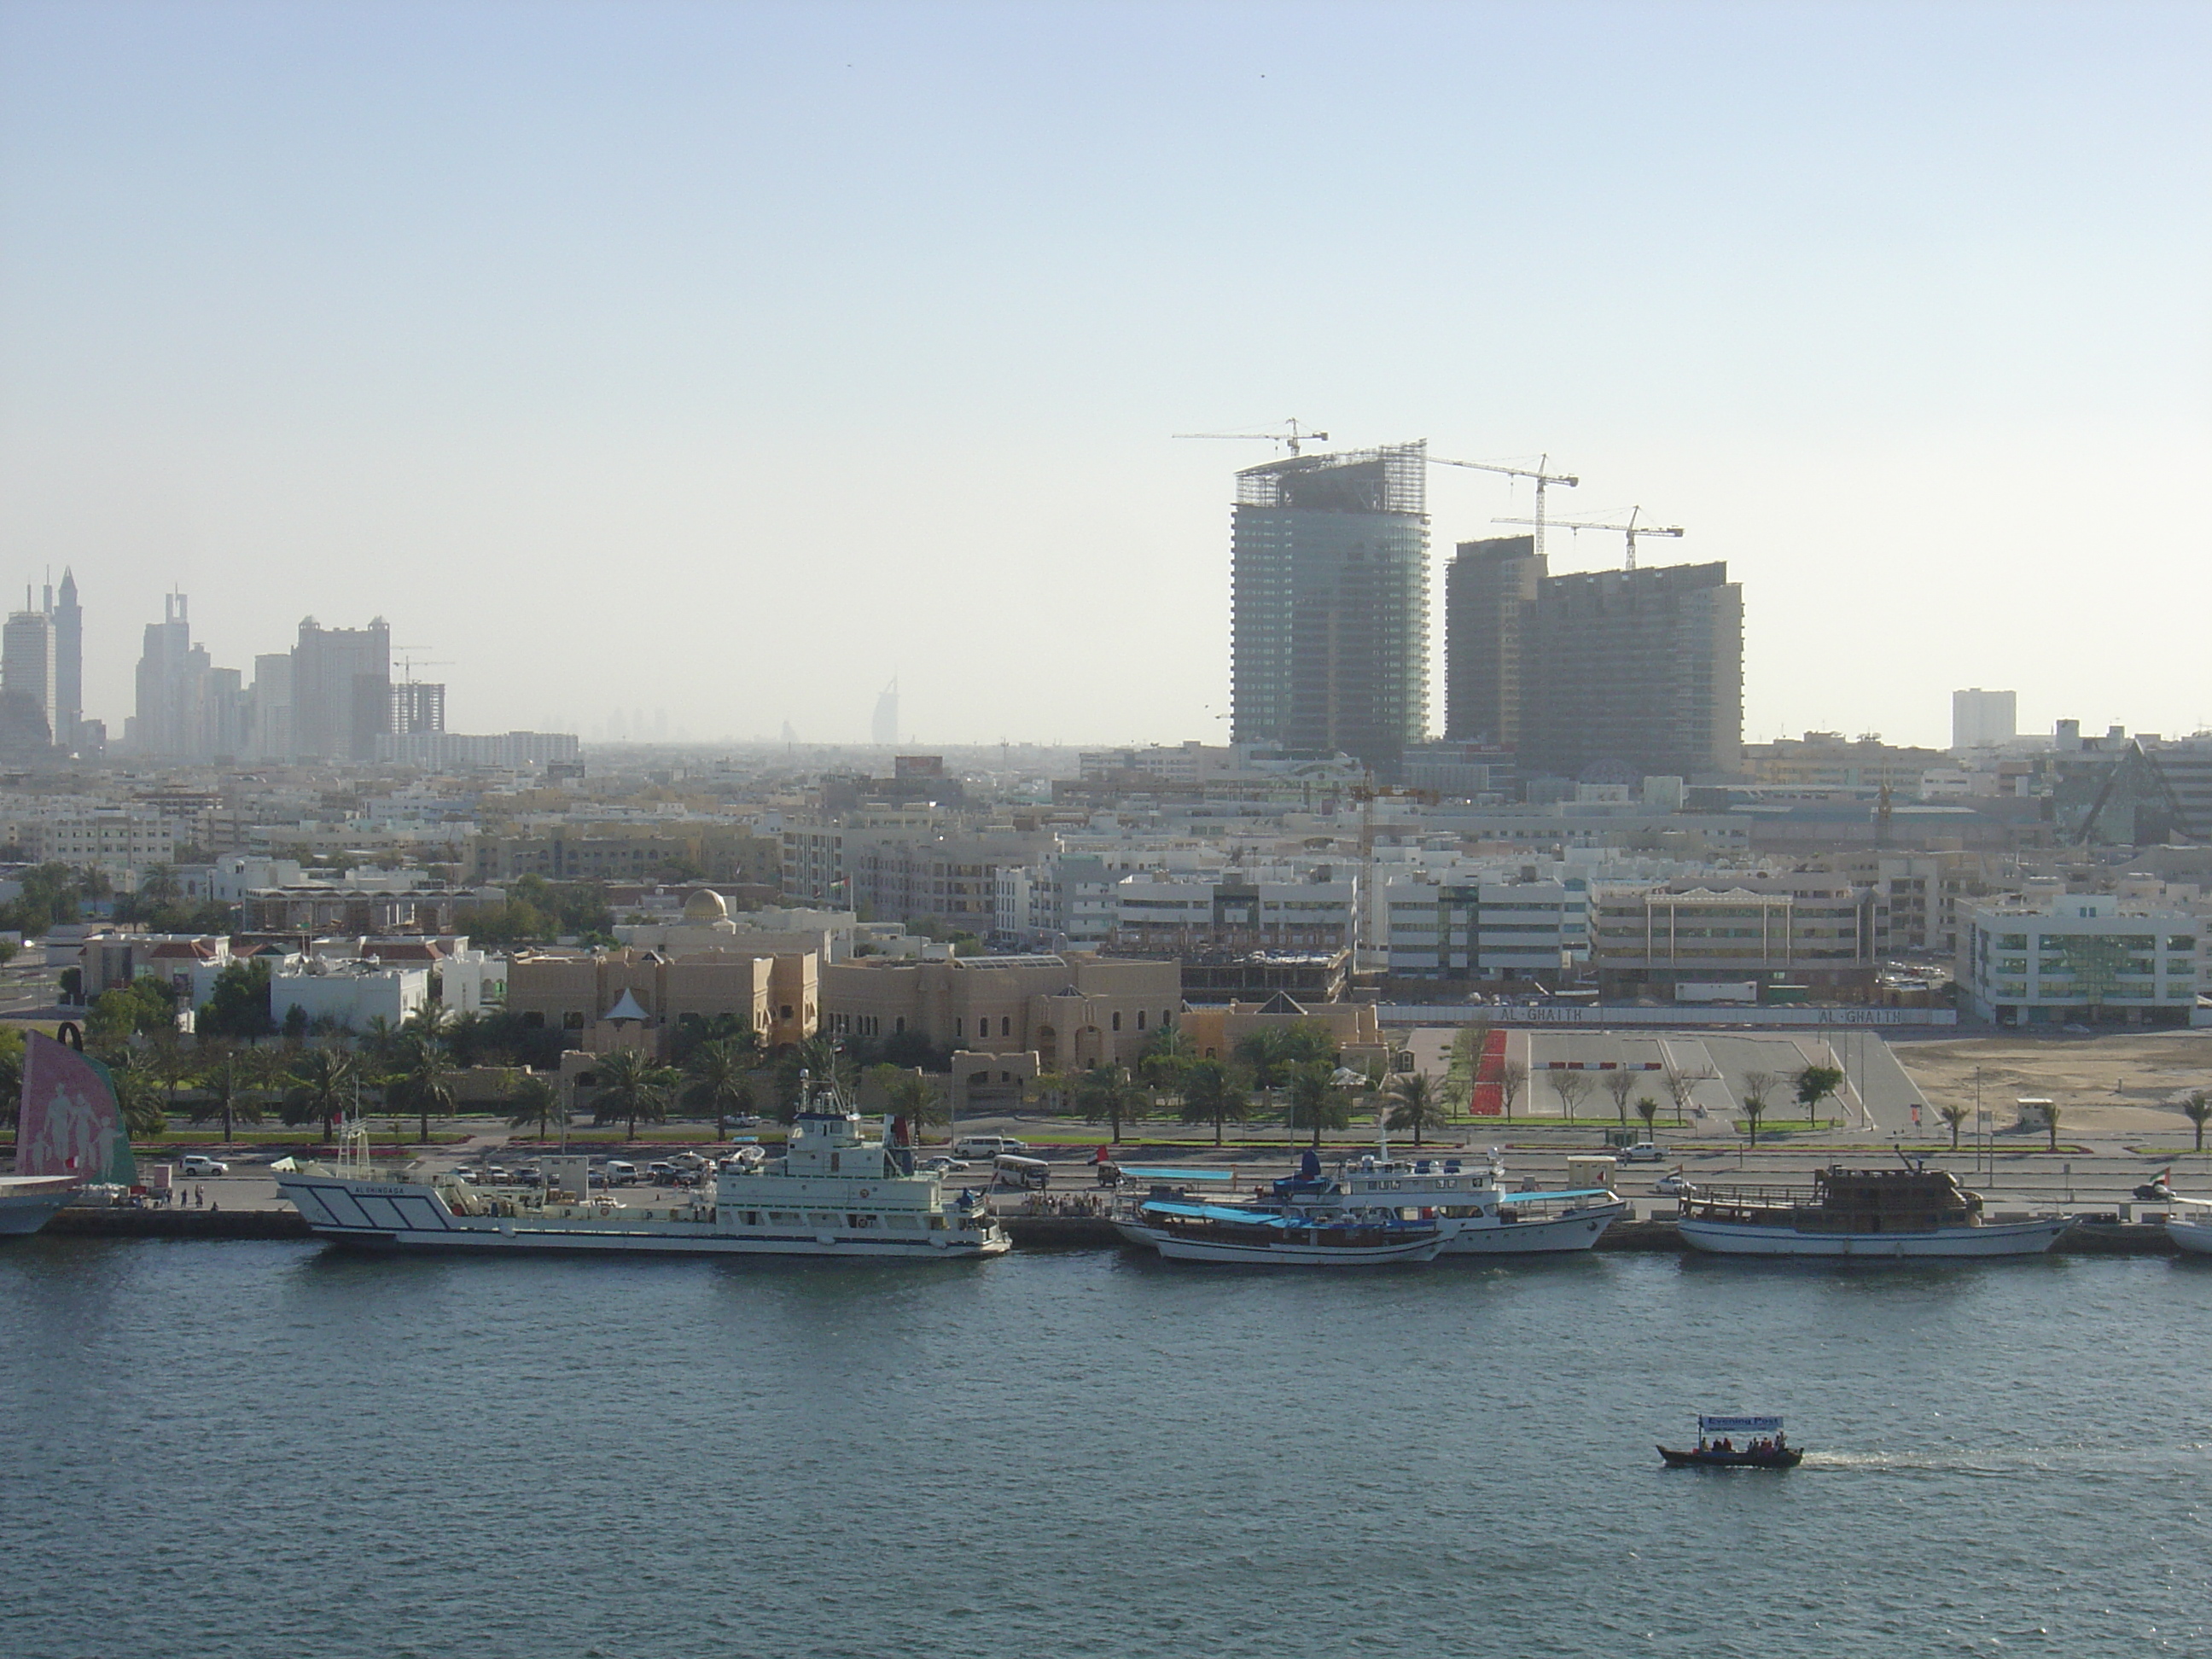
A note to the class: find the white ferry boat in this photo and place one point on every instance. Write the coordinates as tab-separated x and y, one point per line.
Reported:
838	1190
28	1202
1912	1212
1463	1198
2190	1224
1244	1233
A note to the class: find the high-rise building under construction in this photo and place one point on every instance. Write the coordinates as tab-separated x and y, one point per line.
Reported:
1585	674
1330	585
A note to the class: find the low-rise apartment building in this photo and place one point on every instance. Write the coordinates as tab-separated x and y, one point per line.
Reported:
1806	930
2081	959
1263	911
1485	930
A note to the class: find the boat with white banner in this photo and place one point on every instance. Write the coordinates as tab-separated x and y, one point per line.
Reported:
838	1190
1911	1212
1767	1446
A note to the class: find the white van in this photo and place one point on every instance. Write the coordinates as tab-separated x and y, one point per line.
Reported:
616	1173
987	1145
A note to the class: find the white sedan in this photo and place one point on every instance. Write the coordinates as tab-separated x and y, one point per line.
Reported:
1673	1184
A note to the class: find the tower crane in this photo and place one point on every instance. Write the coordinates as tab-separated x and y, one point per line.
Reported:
1292	438
1539	472
1631	530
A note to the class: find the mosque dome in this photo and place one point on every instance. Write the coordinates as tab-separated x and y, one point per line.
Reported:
705	905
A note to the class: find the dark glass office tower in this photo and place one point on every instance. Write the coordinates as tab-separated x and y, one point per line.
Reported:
1330	559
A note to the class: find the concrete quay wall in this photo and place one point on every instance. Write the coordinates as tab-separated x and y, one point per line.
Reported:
1028	1232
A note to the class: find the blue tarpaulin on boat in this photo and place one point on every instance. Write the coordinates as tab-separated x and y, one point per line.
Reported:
1533	1198
1214	1213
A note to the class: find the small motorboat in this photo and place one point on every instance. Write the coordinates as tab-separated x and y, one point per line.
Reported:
1768	1448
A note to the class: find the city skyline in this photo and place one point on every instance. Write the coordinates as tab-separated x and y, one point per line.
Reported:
727	337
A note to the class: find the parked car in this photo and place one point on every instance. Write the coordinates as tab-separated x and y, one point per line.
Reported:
196	1163
1673	1184
2156	1192
943	1166
1643	1151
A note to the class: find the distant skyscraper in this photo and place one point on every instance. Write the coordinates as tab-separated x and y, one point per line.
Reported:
1329	590
418	705
69	662
1490	609
1980	718
883	729
170	698
26	666
1634	671
272	739
341	690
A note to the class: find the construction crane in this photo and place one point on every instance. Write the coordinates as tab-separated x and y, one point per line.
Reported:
1631	530
1539	472
1291	438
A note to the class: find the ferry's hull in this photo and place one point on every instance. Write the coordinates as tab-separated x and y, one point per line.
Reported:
1998	1239
390	1219
27	1203
1178	1247
1547	1236
2194	1237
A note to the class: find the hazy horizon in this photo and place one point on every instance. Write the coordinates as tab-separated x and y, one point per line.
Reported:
727	361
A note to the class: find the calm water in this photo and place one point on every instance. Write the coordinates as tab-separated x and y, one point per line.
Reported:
268	1450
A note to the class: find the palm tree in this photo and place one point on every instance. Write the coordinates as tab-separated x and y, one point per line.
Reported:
171	1063
634	1086
1953	1115
226	1089
2196	1109
917	1099
2050	1123
1214	1093
1053	1088
1108	1092
136	1091
324	1084
380	1041
1753	1110
1648	1109
535	1099
722	1073
423	1079
1419	1104
1316	1101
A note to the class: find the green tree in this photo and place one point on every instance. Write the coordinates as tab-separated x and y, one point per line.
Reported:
535	1100
1648	1109
1109	1092
1052	1089
1316	1100
917	1099
1954	1116
1753	1110
145	1004
633	1086
422	1080
2197	1108
239	1005
1417	1104
721	1077
1814	1084
1215	1093
137	1094
225	1086
324	1084
2050	1123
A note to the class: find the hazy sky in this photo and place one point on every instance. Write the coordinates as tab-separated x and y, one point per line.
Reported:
726	358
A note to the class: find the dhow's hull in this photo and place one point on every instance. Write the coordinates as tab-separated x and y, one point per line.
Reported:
2194	1237
1178	1246
2004	1239
1550	1235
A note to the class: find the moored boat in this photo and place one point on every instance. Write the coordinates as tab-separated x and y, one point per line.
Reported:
28	1202
1184	1231
1768	1449
1908	1213
837	1191
2190	1224
1464	1198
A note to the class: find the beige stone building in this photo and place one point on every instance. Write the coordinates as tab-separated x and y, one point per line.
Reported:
1215	1031
631	999
1070	1011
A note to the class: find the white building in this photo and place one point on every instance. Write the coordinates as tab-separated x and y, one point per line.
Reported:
1259	910
1462	928
1984	719
2081	959
348	993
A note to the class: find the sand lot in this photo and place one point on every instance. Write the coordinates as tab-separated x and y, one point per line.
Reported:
2123	1085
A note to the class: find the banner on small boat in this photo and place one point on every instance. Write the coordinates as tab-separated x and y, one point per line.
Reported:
70	1123
1738	1426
